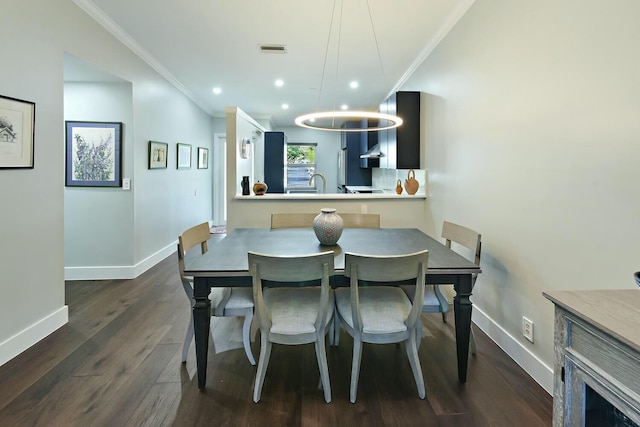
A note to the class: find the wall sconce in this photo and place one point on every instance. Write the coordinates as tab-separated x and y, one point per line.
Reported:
245	148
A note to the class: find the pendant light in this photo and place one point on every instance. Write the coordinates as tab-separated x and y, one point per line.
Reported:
332	120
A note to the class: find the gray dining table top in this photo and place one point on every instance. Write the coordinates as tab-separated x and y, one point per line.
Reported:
228	257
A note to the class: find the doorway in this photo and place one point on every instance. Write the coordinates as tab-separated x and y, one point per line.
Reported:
219	186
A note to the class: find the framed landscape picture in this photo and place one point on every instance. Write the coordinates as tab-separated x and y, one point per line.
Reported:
158	155
184	156
93	154
17	124
203	158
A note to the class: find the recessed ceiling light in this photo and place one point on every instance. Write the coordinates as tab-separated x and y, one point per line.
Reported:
285	106
344	106
279	83
353	84
216	90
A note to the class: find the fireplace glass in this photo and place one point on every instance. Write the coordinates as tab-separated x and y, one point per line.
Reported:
600	413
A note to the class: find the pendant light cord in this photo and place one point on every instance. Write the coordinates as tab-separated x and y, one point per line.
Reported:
375	38
326	55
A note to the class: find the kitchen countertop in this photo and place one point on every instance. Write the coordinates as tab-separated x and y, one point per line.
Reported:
331	196
364	189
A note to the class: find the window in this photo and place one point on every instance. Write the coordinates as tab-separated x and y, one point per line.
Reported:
301	164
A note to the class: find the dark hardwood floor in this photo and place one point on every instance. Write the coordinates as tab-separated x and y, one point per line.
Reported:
117	363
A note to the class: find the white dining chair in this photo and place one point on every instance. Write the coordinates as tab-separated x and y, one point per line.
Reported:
297	314
224	301
434	299
373	310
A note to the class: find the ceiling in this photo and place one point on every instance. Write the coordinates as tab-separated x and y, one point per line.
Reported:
200	44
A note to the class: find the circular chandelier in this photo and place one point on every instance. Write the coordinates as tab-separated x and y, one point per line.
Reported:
326	120
333	120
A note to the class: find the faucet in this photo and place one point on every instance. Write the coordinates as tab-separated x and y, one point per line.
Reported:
324	182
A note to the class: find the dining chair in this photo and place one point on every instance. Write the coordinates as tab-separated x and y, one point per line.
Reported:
636	276
297	314
224	301
373	310
305	220
434	299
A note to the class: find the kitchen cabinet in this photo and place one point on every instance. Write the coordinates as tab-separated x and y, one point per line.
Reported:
400	147
352	144
274	158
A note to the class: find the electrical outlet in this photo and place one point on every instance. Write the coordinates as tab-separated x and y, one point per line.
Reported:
363	209
527	328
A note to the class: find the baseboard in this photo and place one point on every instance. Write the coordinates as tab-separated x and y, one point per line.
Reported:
119	271
528	361
31	335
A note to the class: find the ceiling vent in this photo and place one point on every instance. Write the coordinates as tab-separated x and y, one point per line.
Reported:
273	48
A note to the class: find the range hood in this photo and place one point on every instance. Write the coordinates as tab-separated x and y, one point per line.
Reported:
372	153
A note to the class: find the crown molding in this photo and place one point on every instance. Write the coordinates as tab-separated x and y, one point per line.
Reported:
118	32
435	41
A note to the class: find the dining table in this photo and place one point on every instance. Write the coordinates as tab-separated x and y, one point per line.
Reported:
225	264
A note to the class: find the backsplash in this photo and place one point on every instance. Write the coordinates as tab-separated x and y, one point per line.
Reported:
387	178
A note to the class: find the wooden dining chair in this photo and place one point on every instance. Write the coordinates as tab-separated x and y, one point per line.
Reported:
305	220
224	301
292	315
374	310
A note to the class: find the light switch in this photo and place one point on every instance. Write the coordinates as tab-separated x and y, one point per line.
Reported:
126	184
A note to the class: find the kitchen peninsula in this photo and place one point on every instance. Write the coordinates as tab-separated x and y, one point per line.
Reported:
396	211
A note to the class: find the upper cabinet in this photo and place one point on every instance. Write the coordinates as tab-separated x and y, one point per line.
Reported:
400	147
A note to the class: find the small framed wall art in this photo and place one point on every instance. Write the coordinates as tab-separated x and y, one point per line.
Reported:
94	154
17	124
158	155
184	156
203	158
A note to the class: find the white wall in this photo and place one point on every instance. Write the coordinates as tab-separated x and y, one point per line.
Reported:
533	140
99	214
35	36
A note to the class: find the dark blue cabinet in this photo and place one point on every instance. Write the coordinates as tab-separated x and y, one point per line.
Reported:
274	161
400	147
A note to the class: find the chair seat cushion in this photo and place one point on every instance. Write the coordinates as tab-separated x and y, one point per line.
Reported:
294	310
384	308
240	298
431	302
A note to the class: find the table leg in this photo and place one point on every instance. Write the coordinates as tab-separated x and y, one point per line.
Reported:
201	325
462	313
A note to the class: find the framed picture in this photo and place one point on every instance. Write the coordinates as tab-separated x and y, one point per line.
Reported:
158	155
94	154
17	124
184	156
203	158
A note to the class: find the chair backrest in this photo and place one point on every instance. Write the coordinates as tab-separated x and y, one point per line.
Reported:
636	276
191	237
303	269
386	269
463	236
305	220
